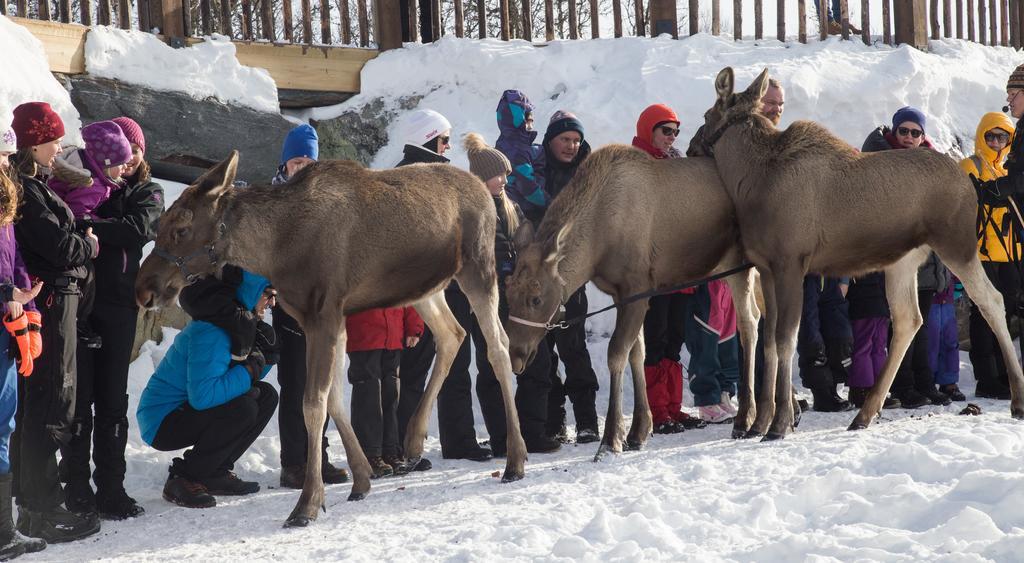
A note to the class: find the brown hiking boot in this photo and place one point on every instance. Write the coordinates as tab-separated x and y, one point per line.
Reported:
380	468
189	494
293	476
333	475
399	465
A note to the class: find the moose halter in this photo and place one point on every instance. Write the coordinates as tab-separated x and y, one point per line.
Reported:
549	326
181	262
707	143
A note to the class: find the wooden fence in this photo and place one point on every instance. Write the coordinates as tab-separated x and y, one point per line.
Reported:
387	23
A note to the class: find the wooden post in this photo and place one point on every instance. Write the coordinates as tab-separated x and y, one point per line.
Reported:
947	20
663	18
617	16
435	11
267	17
225	18
124	14
549	20
993	25
205	17
758	19
64	7
1014	25
44	10
481	18
84	9
387	26
959	19
460	24
173	19
865	21
886	22
970	19
638	9
503	15
574	32
362	12
289	21
595	27
737	19
716	17
22	9
982	23
102	11
911	26
844	18
692	13
822	19
1020	23
247	20
801	16
345	25
934	13
325	21
527	20
1004	23
780	18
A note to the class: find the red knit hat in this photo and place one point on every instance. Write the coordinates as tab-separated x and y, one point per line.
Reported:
131	130
36	123
651	118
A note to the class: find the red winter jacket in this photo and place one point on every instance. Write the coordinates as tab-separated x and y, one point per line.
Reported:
382	329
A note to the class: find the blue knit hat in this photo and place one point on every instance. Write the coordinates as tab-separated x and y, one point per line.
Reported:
301	141
907	113
561	122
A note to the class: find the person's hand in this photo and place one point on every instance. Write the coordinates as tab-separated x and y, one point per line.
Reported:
23	296
411	341
94	240
255	364
266	343
15	309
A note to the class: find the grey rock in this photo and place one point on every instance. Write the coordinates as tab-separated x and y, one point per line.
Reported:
359	133
182	130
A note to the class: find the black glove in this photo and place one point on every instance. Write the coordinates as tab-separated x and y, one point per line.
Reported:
997	192
255	364
266	343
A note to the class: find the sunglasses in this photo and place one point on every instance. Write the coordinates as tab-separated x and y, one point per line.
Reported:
992	137
904	131
446	140
669	131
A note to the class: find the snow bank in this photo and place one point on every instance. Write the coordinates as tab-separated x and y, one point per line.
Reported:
27	78
848	86
204	70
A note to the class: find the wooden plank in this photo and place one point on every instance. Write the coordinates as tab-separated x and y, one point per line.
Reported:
321	69
865	21
267	20
934	13
289	20
758	19
844	18
801	16
737	19
970	19
595	14
617	17
638	12
503	14
822	19
460	23
716	17
886	22
574	23
325	21
173	17
84	10
780	19
1004	23
63	44
527	20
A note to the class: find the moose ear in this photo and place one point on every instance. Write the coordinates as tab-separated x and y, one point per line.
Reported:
557	252
523	235
724	83
219	177
760	85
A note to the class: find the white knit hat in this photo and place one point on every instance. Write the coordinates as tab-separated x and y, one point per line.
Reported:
8	142
421	126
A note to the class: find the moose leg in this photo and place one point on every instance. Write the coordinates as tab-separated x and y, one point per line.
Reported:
336	409
640	428
628	323
789	302
765	411
321	346
448	335
990	302
742	286
901	291
483	298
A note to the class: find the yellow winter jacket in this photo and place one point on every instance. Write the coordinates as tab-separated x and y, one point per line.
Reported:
991	167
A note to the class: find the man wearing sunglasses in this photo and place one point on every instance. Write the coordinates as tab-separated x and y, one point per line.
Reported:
907	132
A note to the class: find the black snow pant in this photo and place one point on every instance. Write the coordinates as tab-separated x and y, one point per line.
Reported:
291	376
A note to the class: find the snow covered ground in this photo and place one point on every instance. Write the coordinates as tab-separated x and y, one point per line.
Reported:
919	485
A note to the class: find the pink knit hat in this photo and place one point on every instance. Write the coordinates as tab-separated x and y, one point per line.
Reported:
132	131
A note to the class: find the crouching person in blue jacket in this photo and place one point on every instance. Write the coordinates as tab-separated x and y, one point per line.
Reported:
202	398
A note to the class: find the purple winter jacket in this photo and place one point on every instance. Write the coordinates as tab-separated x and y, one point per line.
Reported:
526	182
12	269
81	182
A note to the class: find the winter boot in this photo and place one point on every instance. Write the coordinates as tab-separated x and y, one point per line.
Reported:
380	468
911	398
935	396
12	543
56	525
687	421
714	414
117	505
331	475
991	388
79	497
668	427
584	406
189	494
226	483
541	444
952	390
826	399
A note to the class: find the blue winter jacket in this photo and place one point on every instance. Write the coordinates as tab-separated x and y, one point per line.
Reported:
197	368
526	182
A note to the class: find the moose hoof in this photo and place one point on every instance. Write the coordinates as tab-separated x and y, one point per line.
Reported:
634	445
356	496
297	522
1017	414
772	436
857	425
511	476
751	434
739	433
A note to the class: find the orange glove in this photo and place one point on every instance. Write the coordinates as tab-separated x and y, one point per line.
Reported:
35	336
19	330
